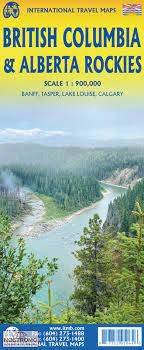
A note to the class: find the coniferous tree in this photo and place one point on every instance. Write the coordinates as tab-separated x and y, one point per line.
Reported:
21	274
90	292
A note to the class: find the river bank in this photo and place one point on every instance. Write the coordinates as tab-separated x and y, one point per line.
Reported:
114	185
34	224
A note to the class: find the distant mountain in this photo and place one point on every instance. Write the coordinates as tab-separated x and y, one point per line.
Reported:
102	162
72	141
63	139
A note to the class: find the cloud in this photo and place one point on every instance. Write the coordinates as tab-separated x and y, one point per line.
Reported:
10	134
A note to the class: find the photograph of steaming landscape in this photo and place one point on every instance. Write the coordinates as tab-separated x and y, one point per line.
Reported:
72	213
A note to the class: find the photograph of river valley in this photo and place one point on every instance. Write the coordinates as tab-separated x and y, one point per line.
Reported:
71	225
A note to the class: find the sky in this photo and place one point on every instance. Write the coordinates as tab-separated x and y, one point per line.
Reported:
82	123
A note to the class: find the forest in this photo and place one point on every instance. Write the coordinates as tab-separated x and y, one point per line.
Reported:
12	198
80	161
68	175
71	192
120	211
109	257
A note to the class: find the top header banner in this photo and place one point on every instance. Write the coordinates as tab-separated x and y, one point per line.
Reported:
85	40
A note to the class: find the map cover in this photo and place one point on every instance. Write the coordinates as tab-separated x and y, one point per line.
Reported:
71	174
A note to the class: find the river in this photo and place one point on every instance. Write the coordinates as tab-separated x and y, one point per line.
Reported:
60	243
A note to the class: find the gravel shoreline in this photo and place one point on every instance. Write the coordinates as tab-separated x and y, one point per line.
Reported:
33	224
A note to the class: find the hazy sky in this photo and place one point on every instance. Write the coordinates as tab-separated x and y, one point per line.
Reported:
70	121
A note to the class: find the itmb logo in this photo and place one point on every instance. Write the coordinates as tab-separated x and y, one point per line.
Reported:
11	9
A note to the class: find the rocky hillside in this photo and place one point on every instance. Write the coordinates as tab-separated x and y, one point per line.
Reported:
125	177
